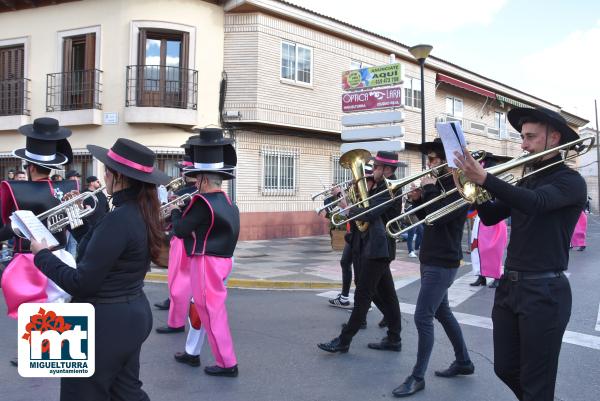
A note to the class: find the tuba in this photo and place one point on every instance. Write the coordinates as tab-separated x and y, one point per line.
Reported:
358	194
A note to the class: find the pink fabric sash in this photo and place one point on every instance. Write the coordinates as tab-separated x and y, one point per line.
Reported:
491	245
180	287
579	234
23	282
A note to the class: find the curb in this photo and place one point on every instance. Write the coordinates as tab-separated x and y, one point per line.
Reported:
262	284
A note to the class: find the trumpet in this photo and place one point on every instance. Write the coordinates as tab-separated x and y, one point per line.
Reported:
394	185
175	184
164	209
69	213
472	193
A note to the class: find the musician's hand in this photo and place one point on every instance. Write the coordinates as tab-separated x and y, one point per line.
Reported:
70	195
172	207
428	180
38	246
470	167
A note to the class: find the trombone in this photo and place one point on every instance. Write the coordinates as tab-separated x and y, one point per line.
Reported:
472	193
393	186
69	213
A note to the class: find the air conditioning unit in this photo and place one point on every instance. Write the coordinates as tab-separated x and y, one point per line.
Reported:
440	119
232	114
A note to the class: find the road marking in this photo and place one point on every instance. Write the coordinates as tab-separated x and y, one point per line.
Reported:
598	320
461	290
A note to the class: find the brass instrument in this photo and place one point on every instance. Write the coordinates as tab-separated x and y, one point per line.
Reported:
472	193
69	213
175	184
180	200
358	194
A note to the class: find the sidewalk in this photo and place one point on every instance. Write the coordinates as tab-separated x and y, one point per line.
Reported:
307	262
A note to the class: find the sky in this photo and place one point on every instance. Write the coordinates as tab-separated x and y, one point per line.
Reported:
547	48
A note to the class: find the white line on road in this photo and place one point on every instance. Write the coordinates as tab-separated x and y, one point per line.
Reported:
461	290
598	320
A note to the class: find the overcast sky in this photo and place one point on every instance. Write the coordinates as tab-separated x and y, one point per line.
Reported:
547	48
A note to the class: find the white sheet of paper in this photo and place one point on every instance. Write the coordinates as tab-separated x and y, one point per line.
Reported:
453	138
31	227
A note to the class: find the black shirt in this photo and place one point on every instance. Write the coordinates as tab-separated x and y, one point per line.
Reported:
441	243
544	209
113	256
101	207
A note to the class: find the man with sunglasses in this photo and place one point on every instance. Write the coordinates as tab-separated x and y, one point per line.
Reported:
440	258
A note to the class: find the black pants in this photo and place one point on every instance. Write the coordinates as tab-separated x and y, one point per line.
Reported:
433	302
374	278
121	328
346	264
530	318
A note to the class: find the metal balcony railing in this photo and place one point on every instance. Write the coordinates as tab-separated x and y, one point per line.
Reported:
74	90
14	97
162	86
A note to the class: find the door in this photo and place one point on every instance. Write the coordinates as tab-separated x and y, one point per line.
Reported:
79	72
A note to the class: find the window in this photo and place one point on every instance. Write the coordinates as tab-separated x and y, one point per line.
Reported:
500	123
402	170
296	63
13	86
340	174
279	171
454	107
412	92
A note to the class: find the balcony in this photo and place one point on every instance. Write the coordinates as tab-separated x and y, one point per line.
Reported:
74	97
14	103
161	94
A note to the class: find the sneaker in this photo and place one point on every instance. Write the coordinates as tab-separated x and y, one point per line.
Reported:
412	254
338	302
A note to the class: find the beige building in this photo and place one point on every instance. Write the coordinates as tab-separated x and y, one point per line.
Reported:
151	70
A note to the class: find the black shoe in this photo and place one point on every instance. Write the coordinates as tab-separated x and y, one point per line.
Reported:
494	284
184	357
382	323
14	362
363	326
334	346
386	345
219	371
480	281
581	248
169	329
409	387
163	305
456	369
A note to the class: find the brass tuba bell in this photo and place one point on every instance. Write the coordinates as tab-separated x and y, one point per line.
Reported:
355	160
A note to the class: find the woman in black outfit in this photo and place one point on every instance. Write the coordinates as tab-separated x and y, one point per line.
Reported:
113	258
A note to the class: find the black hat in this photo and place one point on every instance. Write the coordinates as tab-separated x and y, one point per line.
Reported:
91	178
435	146
72	173
211	153
186	162
490	160
46	143
387	159
132	160
543	115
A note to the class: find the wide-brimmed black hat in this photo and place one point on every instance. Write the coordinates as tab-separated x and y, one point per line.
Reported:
384	158
434	146
186	162
212	153
46	144
543	115
131	159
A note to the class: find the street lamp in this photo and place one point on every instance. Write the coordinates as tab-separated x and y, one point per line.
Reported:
421	52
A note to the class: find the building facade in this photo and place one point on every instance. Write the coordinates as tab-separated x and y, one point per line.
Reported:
266	70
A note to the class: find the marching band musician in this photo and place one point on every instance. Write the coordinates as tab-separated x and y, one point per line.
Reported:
440	258
372	253
113	259
210	227
46	148
532	305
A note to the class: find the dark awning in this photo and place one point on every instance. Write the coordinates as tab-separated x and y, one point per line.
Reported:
512	102
466	86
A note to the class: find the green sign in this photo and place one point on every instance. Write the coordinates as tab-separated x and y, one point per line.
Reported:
371	77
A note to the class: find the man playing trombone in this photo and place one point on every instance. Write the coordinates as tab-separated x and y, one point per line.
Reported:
440	257
532	304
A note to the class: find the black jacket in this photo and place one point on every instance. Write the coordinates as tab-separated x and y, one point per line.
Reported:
101	207
544	209
113	257
441	243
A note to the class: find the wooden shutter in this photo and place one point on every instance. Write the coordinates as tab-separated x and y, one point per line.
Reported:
12	85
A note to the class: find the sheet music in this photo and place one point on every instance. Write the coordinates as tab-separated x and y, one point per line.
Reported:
453	138
29	225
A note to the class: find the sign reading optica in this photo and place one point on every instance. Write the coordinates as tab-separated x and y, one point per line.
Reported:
372	99
371	77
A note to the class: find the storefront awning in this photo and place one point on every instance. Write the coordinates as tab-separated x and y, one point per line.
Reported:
512	102
464	85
